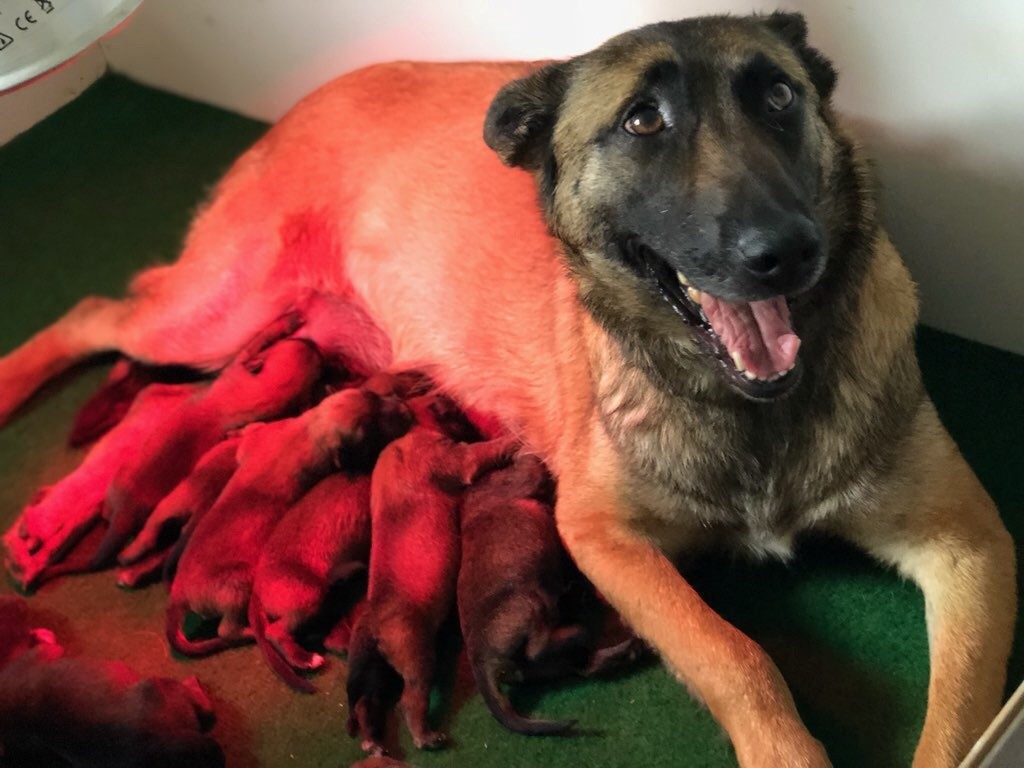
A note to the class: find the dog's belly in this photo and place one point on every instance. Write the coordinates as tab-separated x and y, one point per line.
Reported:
446	249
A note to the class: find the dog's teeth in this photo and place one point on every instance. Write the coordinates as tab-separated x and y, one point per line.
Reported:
682	279
738	362
694	294
749	376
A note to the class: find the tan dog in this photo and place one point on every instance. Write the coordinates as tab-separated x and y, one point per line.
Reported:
701	154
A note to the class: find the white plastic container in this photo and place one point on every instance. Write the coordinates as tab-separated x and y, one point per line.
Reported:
39	35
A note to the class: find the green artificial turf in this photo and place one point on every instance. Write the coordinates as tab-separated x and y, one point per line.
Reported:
107	185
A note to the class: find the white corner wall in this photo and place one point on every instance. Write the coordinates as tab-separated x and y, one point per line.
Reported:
935	89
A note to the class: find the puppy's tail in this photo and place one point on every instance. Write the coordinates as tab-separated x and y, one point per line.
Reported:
176	634
277	662
373	688
485	671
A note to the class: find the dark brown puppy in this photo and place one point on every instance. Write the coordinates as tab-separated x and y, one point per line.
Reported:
270	379
414	495
511	576
144	557
322	539
101	714
277	463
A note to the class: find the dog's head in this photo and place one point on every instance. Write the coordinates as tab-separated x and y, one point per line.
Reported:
687	168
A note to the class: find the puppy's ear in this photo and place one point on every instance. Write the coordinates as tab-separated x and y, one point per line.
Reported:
792	27
522	116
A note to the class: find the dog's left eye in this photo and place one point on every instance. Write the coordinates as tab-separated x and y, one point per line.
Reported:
780	96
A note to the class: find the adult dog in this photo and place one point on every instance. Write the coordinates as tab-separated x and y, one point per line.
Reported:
693	317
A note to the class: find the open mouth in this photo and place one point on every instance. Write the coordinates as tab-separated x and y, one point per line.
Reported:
753	341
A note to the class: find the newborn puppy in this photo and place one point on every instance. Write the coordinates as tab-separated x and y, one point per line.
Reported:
59	516
414	554
143	457
277	463
92	714
322	539
511	576
272	378
144	557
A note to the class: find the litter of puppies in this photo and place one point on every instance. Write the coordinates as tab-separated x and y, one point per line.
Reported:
259	494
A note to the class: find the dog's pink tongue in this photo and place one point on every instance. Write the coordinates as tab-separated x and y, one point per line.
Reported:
757	333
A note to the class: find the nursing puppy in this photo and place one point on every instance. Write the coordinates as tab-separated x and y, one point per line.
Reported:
166	429
62	514
277	463
324	538
782	394
511	577
414	555
271	379
145	556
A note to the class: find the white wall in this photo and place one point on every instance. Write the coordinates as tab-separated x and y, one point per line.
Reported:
935	88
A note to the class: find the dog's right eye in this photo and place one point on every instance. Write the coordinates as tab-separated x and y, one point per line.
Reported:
644	120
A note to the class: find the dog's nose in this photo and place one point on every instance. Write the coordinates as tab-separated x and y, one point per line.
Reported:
781	250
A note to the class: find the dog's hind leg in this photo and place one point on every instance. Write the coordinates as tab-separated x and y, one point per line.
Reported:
229	282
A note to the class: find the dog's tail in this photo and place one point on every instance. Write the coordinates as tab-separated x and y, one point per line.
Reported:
176	634
486	671
277	662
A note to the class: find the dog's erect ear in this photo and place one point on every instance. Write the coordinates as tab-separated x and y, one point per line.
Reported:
522	116
792	27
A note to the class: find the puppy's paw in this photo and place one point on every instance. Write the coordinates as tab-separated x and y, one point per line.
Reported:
430	740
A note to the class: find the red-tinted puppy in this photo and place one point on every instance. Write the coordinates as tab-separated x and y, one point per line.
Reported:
271	379
322	539
511	577
193	496
56	520
413	567
92	714
277	463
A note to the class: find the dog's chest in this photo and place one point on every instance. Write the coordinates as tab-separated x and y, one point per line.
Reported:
750	484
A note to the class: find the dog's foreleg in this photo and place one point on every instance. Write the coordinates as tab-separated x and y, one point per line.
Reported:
733	676
942	530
